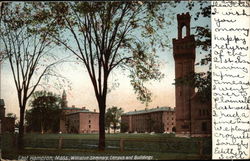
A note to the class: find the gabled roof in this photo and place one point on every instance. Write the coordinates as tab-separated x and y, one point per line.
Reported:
158	109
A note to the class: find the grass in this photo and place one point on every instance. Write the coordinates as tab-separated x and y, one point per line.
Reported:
96	136
160	146
117	136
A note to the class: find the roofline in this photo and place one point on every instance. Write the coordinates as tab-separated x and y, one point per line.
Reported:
71	108
125	114
149	111
82	112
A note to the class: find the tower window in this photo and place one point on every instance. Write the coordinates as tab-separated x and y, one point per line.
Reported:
183	31
180	91
184	126
204	126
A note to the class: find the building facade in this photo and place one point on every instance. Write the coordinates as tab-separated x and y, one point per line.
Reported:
7	124
77	120
159	120
83	122
189	121
201	118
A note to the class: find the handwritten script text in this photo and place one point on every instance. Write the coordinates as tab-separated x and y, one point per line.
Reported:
230	79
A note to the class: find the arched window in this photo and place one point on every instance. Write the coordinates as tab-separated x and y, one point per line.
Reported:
184	31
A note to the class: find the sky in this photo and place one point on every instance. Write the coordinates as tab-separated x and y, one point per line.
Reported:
81	93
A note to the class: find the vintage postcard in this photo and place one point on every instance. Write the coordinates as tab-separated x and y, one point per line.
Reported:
124	80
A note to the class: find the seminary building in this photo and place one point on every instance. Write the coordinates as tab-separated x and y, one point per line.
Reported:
159	120
78	120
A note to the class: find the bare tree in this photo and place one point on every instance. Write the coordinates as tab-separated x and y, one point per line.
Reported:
27	52
108	35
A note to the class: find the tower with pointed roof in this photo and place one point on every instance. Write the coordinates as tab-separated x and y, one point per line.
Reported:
64	102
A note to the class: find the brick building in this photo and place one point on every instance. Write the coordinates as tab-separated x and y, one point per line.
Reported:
7	124
78	120
193	117
159	120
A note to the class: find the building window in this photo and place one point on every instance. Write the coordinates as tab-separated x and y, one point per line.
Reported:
89	121
204	126
89	126
184	126
172	118
179	89
204	112
200	112
172	123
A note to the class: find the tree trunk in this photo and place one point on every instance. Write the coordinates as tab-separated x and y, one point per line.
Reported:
21	129
102	108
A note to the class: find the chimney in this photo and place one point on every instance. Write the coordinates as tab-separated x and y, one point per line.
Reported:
83	108
135	109
94	110
73	106
157	106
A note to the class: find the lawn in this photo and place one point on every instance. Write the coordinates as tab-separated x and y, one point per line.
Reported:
95	136
160	146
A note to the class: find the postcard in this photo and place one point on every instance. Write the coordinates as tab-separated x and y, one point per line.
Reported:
124	80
